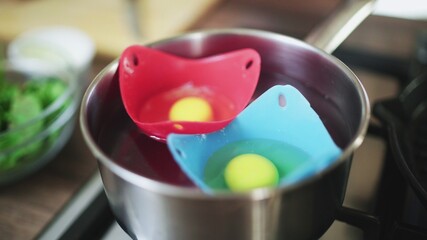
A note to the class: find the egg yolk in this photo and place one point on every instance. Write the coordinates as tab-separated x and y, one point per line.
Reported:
249	171
193	109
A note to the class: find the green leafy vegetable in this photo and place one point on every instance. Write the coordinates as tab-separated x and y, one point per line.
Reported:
20	104
48	91
7	93
23	108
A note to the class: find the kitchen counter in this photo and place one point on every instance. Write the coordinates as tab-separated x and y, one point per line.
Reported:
26	207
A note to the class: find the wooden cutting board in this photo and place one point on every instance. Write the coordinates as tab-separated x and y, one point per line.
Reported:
107	22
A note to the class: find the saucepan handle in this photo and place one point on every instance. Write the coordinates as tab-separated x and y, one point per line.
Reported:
334	30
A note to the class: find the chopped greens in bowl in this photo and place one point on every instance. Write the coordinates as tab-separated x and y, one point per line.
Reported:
36	119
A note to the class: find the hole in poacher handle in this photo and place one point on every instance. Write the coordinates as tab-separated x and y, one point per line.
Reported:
226	81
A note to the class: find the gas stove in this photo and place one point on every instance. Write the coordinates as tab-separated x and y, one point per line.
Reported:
380	202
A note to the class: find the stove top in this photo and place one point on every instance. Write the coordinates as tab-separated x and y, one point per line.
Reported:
369	210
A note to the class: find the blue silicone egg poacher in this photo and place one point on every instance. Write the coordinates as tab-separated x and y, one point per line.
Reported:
280	116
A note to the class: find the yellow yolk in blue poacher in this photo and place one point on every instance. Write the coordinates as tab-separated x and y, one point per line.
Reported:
250	171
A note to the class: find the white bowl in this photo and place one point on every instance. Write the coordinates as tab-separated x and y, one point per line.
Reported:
45	50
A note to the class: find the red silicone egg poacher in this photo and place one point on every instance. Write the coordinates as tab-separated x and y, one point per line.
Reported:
151	81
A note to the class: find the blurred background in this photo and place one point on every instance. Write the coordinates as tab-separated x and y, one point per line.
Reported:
115	24
92	33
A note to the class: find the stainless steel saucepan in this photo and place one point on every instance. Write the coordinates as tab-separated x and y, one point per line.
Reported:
151	200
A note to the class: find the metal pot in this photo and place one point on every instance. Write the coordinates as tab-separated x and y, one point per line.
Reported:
150	208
